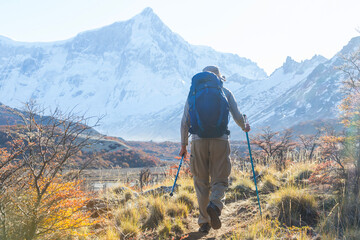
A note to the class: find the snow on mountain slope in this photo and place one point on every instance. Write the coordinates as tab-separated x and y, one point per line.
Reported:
137	73
256	95
317	96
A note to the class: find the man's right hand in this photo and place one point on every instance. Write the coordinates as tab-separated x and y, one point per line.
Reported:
183	151
247	127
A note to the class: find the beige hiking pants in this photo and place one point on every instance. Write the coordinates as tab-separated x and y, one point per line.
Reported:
210	166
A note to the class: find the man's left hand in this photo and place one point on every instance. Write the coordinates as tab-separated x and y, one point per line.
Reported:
183	151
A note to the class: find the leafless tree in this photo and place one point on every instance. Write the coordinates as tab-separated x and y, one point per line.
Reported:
285	145
267	142
309	143
274	145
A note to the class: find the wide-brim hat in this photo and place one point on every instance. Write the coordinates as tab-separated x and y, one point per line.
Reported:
215	70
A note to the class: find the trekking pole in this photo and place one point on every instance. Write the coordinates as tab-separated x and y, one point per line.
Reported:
252	165
177	174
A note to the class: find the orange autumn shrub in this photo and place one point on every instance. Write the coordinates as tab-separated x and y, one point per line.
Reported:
64	209
61	211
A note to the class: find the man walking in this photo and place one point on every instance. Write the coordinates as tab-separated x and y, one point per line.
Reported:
206	118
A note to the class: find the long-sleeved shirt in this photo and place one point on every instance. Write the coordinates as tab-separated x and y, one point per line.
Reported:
185	121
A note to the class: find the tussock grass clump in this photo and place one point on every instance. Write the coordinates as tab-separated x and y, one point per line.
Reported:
187	199
128	195
177	210
271	229
299	174
129	228
110	233
126	214
240	190
128	220
295	207
269	184
170	228
237	175
120	195
122	190
178	227
262	171
187	184
243	184
164	230
156	214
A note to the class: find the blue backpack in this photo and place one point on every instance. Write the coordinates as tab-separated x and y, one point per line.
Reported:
208	106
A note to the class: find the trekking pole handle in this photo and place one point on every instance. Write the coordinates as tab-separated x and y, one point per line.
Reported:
245	119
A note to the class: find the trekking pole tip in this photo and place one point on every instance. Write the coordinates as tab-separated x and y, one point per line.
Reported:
171	194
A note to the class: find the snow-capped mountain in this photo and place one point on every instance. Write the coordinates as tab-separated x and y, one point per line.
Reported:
137	73
255	97
315	97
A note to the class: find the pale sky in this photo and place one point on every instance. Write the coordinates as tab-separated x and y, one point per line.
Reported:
265	31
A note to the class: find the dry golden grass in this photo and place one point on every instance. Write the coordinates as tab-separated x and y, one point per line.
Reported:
127	214
269	183
294	206
129	228
290	204
160	215
110	234
178	227
242	188
270	229
298	174
156	213
188	199
187	184
177	210
164	230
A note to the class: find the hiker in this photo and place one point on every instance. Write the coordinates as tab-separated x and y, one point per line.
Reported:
210	148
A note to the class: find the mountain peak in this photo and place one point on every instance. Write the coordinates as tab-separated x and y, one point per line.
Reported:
353	45
319	58
289	65
289	60
148	14
147	11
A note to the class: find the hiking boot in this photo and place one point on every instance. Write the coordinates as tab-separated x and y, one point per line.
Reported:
205	228
214	213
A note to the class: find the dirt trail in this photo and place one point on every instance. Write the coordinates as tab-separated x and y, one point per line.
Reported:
234	216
